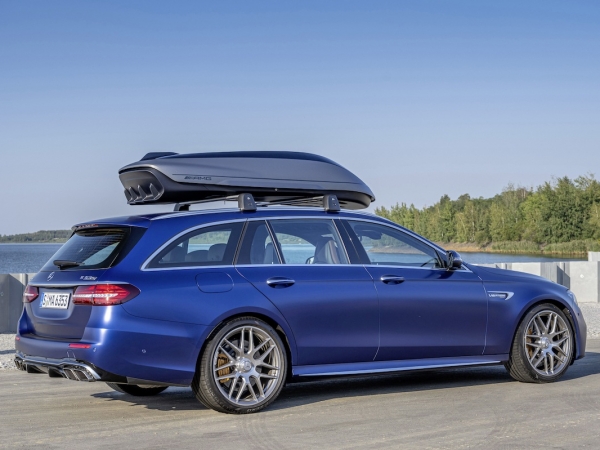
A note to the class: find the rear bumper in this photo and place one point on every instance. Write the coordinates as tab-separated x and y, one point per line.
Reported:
66	368
119	347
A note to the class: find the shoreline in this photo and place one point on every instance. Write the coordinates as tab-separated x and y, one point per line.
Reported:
474	248
29	242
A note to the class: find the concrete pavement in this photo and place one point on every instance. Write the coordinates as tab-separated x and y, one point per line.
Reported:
460	408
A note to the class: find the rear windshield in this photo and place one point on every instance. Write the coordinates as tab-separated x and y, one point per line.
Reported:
89	249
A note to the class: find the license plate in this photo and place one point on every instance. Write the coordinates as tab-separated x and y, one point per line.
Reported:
56	300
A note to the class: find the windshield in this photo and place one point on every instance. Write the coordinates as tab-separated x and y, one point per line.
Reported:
89	249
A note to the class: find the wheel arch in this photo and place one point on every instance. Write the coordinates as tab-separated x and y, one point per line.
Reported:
283	331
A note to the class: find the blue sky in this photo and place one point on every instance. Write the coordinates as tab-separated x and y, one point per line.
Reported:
418	98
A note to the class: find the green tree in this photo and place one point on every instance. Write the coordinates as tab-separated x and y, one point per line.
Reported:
560	211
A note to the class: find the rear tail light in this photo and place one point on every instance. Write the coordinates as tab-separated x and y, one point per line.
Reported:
104	294
30	294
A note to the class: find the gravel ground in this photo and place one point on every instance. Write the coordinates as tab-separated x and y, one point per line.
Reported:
591	312
7	351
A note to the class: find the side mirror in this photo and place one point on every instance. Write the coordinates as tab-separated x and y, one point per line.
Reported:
454	260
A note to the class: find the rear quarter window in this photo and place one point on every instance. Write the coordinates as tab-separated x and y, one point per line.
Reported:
208	246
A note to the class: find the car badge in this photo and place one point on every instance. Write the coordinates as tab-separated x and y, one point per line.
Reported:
50	276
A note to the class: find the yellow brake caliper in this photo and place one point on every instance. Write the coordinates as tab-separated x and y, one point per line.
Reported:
221	361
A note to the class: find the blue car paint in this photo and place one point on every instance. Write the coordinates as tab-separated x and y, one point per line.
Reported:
528	291
333	310
433	313
158	335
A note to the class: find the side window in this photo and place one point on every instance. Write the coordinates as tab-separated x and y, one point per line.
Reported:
257	246
388	246
309	241
210	246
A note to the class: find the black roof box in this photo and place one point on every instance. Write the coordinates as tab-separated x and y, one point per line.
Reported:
271	177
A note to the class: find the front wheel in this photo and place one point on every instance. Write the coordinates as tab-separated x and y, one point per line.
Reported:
137	390
242	369
542	348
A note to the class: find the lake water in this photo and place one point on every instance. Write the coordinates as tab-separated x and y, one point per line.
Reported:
25	258
29	258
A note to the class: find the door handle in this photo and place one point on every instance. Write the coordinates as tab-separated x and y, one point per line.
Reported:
392	279
280	282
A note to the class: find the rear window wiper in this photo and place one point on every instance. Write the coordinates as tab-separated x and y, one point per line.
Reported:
65	263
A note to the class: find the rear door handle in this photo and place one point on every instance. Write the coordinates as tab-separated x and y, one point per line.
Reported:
280	282
392	279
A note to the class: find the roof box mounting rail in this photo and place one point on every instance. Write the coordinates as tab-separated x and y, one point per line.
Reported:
247	203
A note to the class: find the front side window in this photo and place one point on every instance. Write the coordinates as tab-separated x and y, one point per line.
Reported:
384	245
209	246
309	241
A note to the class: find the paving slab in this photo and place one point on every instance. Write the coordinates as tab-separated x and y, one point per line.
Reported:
453	409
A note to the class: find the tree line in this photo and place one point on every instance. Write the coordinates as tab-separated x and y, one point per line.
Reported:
560	216
38	236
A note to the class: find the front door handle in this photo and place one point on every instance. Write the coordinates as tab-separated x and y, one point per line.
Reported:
280	282
392	279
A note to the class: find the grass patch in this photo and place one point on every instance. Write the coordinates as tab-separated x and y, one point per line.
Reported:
515	247
573	247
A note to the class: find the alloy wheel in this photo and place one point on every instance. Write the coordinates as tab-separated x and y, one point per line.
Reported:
246	366
548	343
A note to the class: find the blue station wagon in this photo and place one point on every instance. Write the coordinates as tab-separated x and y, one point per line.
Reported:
237	302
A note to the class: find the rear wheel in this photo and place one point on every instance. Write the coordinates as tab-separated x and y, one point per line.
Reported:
542	349
136	389
242	369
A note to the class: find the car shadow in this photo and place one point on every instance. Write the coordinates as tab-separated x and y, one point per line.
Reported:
323	389
173	399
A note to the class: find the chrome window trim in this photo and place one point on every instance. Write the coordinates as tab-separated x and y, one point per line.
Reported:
297	265
144	265
222	266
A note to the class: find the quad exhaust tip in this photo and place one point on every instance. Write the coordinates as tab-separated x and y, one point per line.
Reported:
71	370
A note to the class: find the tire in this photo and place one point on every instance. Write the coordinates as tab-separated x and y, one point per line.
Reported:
137	390
542	348
241	379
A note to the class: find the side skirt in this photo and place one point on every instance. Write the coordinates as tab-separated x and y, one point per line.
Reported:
395	366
